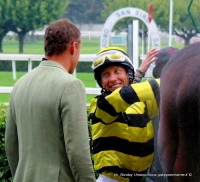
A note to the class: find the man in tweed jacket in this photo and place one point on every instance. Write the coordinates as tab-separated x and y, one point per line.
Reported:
46	135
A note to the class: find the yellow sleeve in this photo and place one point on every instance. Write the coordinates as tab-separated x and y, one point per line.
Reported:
123	97
110	106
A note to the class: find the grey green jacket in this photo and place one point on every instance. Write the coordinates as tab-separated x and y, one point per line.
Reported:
46	137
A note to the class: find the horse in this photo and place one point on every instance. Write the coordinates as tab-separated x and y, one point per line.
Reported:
179	129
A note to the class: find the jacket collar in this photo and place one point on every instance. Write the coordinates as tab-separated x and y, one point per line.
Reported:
51	64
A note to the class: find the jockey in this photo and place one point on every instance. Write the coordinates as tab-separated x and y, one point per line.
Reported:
122	131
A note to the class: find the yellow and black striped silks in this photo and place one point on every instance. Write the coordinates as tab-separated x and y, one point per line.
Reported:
122	131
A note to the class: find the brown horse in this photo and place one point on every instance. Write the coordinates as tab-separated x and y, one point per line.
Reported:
179	132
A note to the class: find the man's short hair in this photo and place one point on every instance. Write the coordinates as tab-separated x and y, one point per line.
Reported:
58	35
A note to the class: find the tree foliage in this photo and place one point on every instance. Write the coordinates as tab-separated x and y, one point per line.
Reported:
84	11
182	23
5	172
26	15
22	16
5	20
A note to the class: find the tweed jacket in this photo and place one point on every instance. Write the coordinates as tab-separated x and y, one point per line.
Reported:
46	137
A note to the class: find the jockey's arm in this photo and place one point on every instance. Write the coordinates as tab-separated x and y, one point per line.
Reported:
118	101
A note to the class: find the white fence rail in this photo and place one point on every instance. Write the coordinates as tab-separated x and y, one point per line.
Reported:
38	57
89	91
34	57
5	90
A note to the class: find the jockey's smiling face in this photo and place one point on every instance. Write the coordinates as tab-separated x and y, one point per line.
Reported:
113	77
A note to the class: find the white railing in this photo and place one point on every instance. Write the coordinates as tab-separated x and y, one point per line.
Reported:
5	90
38	57
34	57
89	91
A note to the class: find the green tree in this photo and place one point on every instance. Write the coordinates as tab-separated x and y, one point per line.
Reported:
23	16
182	23
84	11
29	15
5	21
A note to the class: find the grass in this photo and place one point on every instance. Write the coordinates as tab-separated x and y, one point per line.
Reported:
32	46
35	46
7	80
10	45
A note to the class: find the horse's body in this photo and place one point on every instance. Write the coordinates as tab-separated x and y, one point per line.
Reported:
179	132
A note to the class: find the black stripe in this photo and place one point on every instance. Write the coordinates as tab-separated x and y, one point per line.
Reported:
156	90
133	120
104	105
123	173
95	120
136	120
129	95
124	146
